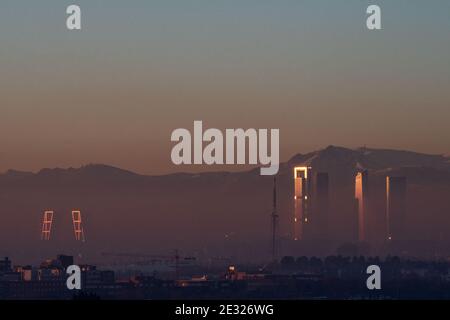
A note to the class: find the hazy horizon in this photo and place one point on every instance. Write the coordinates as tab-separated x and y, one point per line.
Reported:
213	168
113	92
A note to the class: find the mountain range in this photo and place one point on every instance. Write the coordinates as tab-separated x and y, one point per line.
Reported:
211	213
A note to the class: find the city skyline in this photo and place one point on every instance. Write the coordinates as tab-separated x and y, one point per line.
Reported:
121	208
232	156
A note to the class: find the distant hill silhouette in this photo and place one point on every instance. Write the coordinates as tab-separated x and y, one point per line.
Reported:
213	213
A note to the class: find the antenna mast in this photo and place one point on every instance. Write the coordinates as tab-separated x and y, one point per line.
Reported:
274	219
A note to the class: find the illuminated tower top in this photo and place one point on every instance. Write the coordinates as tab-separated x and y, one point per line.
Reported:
362	196
302	195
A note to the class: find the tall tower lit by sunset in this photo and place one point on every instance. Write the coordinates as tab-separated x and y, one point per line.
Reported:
302	198
77	225
47	221
395	207
362	199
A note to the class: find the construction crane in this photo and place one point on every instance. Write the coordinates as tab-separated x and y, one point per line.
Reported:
151	258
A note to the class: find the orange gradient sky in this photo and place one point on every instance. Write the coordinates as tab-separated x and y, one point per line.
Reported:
115	91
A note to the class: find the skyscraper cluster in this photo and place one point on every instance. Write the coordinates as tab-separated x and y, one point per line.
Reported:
312	206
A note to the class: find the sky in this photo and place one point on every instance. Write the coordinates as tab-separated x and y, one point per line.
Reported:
113	92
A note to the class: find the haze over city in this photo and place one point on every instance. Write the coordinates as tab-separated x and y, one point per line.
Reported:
327	124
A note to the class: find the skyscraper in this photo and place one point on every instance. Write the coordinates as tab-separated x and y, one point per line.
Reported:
47	221
395	207
77	225
302	198
362	199
321	206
